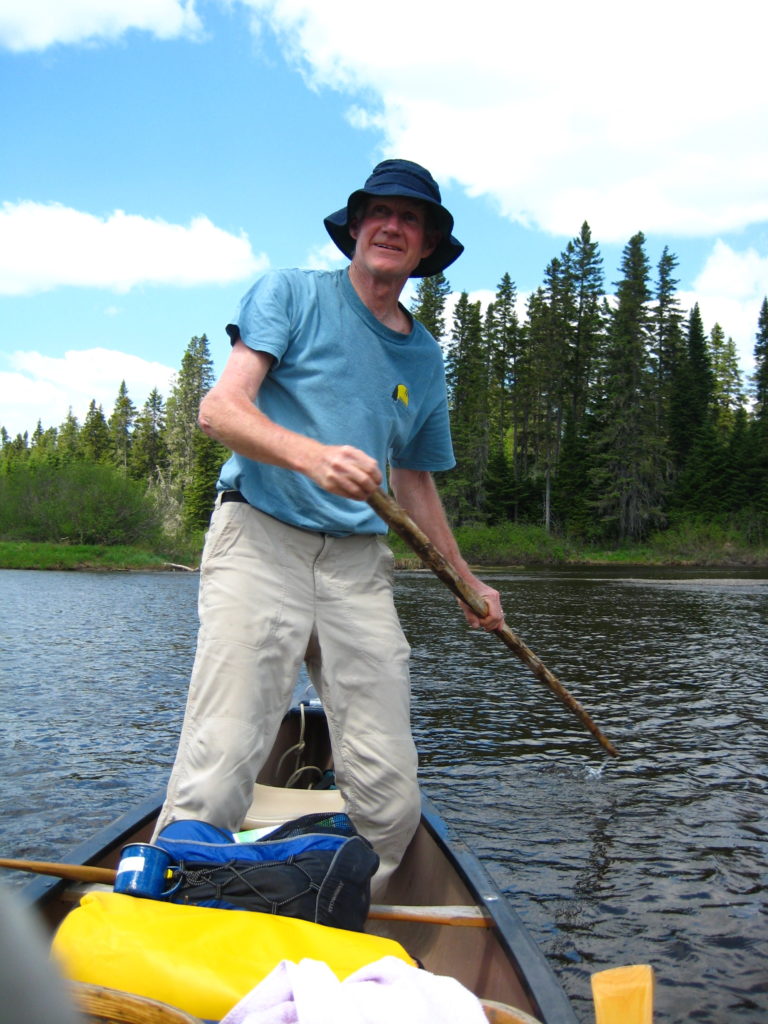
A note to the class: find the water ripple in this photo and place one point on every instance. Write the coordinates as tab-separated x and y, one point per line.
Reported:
658	857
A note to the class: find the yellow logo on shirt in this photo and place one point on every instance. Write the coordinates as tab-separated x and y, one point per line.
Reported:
400	394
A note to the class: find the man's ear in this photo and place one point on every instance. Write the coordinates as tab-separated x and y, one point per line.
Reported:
354	227
431	242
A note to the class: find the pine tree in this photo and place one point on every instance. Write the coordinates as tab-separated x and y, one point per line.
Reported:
194	380
68	444
503	339
557	385
528	491
760	377
44	446
200	493
95	442
501	331
739	479
728	392
120	427
692	391
428	307
148	455
667	345
759	429
15	451
585	287
626	471
467	378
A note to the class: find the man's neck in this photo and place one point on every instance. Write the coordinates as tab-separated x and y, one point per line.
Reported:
382	297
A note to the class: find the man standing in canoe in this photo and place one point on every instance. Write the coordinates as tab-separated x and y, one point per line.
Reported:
329	382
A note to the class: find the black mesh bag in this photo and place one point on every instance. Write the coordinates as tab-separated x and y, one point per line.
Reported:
317	868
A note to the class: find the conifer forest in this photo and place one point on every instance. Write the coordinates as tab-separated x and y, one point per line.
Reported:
605	413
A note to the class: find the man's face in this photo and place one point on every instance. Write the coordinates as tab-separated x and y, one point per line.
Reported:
391	237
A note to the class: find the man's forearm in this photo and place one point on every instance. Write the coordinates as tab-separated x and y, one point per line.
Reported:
416	492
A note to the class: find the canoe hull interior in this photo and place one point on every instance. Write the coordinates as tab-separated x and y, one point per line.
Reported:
499	963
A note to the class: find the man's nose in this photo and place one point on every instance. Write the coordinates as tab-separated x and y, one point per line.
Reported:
393	221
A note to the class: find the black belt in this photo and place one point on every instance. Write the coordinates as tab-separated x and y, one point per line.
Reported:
233	496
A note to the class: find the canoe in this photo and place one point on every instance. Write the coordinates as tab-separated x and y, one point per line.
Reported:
440	905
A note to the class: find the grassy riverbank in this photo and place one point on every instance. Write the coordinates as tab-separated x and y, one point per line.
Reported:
703	544
93	557
708	546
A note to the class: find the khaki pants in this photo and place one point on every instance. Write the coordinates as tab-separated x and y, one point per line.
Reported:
271	597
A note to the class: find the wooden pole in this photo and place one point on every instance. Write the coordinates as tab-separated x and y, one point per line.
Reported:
74	872
398	519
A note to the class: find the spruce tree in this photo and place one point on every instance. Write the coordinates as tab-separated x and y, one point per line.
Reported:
429	304
760	376
120	427
692	391
68	439
759	429
503	339
148	455
44	444
626	470
467	378
502	342
194	379
200	493
528	490
95	441
667	344
585	287
728	392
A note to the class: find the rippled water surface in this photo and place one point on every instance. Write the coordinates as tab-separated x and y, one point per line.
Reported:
658	857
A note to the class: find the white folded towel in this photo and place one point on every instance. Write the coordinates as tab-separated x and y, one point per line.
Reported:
388	991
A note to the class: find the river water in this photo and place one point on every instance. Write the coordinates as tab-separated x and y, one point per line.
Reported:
660	856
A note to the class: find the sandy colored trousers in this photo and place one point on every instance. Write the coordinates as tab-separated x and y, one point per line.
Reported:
271	597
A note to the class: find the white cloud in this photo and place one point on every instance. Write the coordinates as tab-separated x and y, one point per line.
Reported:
38	387
325	257
38	24
650	118
46	246
730	290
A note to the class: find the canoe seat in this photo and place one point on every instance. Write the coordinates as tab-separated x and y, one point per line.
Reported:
272	805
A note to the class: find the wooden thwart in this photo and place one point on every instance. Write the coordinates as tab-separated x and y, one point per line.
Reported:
461	916
399	520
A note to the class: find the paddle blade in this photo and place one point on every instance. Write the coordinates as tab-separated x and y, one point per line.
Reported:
623	995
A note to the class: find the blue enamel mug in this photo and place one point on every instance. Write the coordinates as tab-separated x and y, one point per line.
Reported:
145	870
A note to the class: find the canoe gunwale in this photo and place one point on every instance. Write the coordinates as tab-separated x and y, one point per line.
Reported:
541	985
108	839
538	980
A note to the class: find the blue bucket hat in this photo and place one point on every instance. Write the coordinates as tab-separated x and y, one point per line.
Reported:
411	181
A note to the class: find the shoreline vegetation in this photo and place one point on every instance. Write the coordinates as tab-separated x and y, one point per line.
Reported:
509	545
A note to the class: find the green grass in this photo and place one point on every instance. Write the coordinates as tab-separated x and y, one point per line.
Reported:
30	555
520	545
509	544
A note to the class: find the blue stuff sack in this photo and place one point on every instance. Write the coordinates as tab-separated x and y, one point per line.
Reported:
317	868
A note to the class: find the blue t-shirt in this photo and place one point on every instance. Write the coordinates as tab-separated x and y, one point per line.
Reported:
341	377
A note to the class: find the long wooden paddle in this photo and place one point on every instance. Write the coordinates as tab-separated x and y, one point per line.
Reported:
460	916
398	519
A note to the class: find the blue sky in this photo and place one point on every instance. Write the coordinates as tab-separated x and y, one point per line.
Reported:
156	155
